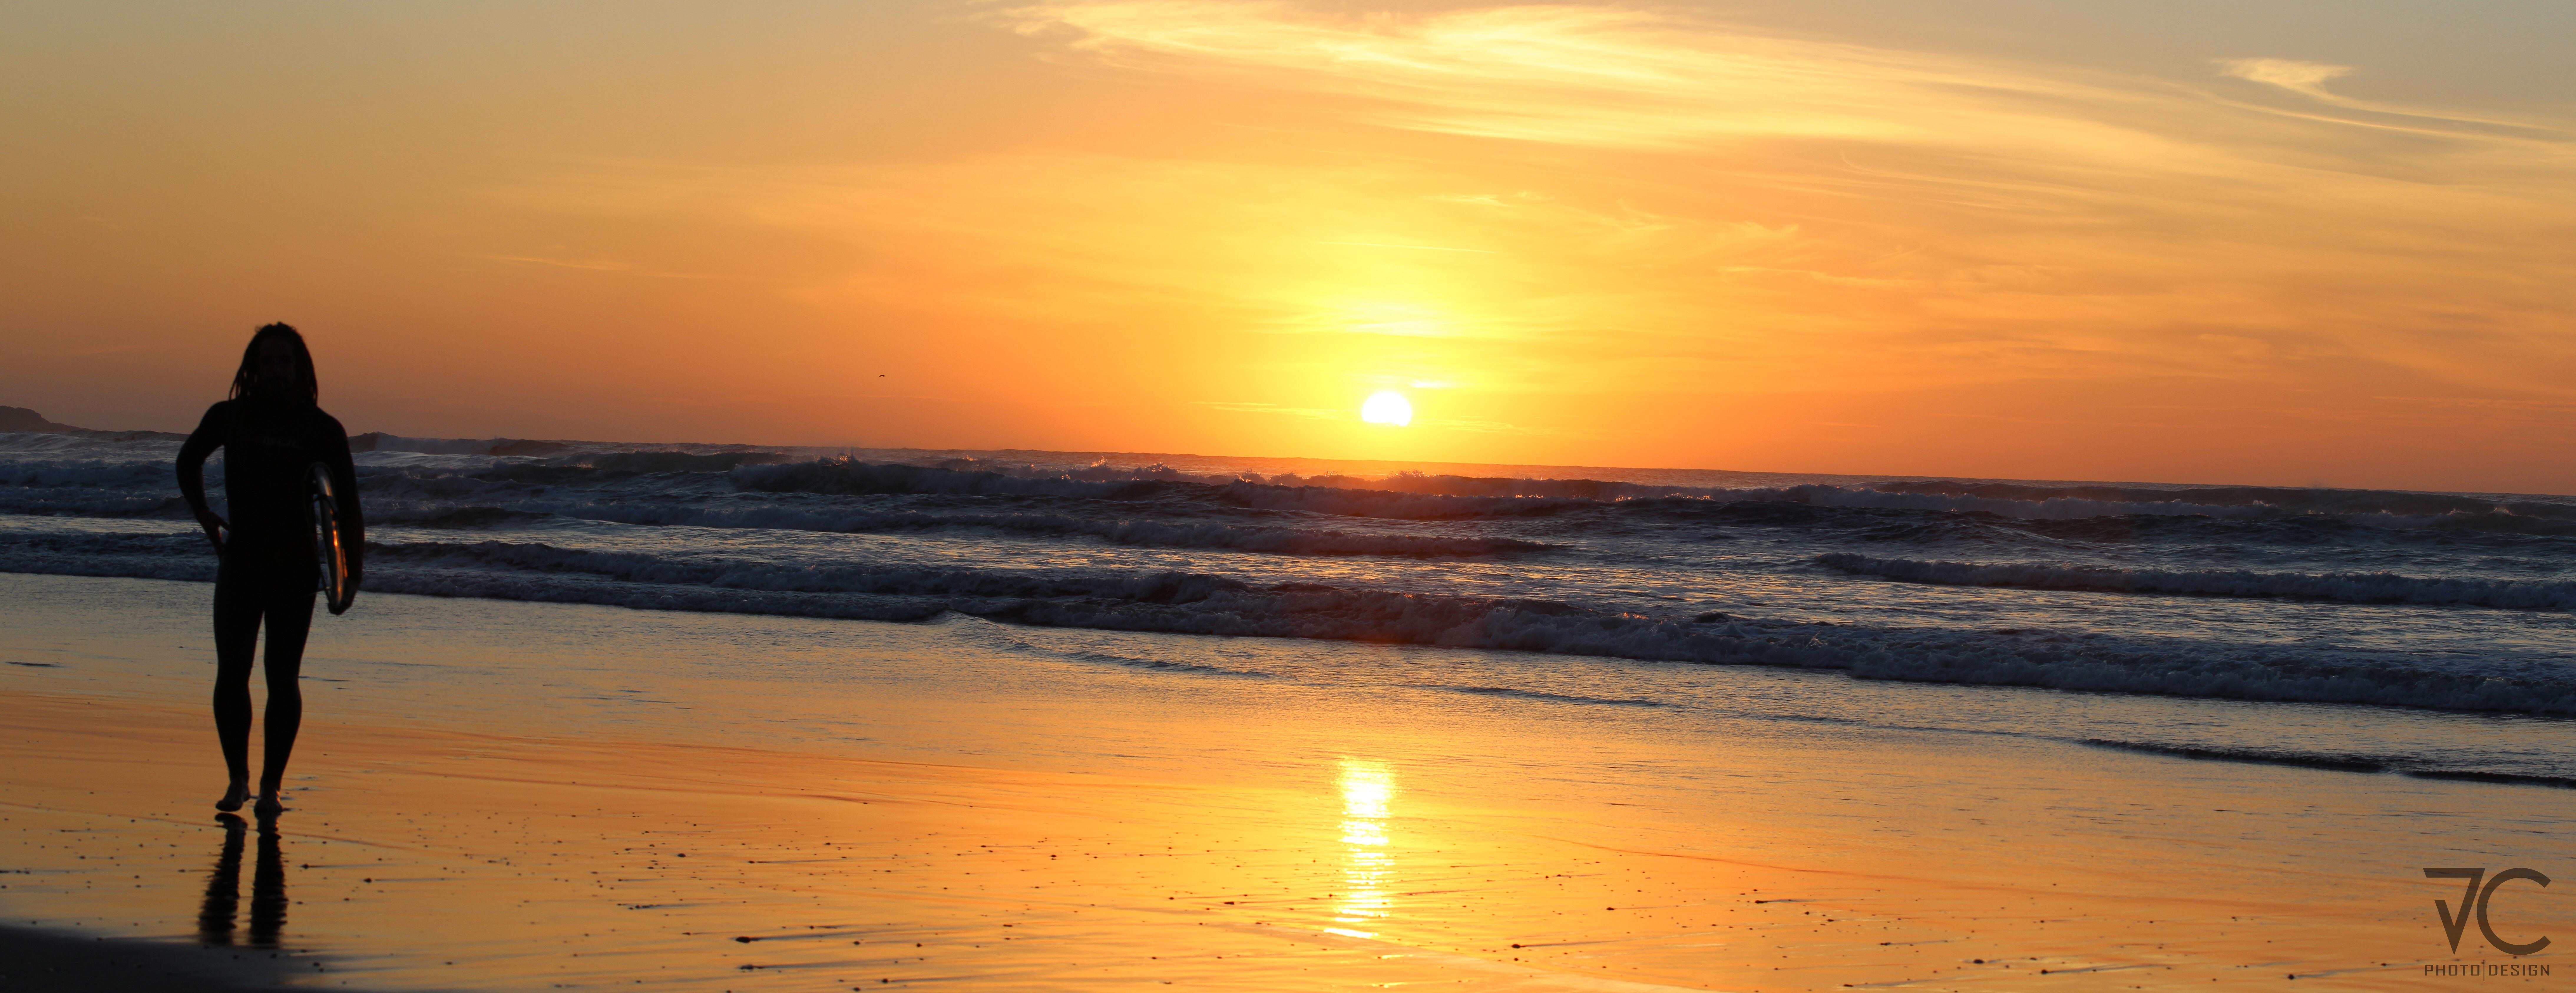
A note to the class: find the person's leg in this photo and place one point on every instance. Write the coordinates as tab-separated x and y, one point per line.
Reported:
290	617
237	610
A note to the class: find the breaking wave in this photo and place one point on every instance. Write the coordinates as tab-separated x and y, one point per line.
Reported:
1193	603
1506	691
1160	534
88	488
1002	638
2381	587
2401	764
1419	497
50	484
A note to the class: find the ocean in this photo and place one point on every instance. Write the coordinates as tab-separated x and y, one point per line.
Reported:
2374	632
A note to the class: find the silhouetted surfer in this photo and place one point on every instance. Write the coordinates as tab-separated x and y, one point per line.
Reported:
272	432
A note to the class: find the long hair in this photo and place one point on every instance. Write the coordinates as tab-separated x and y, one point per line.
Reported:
306	388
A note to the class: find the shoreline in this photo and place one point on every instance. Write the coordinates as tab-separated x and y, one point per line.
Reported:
1205	604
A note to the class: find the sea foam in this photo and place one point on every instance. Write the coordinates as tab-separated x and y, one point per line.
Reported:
1195	603
2380	587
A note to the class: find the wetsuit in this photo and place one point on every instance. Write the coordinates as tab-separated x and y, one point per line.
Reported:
268	569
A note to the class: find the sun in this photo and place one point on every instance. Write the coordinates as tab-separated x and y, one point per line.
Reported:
1387	407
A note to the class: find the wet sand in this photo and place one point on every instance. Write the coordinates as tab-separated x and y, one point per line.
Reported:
932	812
40	961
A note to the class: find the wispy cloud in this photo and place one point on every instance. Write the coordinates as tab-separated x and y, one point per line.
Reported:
586	265
1327	414
603	265
1923	177
1587	75
2308	78
1611	208
1417	248
1614	77
1311	413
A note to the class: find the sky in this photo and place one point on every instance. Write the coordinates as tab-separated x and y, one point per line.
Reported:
2280	243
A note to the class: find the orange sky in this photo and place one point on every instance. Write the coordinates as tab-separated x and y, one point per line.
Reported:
2310	243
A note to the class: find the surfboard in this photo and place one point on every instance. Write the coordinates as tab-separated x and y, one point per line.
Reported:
327	547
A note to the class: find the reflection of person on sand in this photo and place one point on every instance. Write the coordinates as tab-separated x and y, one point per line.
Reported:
267	887
272	432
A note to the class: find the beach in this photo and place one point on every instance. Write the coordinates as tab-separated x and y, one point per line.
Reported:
496	795
1283	496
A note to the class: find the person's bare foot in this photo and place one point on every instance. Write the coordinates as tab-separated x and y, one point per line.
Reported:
233	798
269	805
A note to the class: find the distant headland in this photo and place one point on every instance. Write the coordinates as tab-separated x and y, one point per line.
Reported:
22	419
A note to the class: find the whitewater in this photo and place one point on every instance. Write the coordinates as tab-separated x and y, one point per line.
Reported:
2387	632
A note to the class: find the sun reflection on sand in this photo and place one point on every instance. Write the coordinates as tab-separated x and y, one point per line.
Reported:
1368	862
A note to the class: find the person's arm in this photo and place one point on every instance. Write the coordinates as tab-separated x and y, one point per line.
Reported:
344	487
192	466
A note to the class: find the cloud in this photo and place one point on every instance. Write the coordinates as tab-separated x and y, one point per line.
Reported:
1602	76
1620	203
601	265
586	265
1315	413
1618	78
1418	248
2308	78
